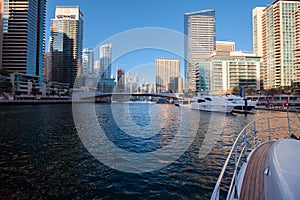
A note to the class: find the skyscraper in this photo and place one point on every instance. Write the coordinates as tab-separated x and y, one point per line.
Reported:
23	29
66	44
297	47
87	61
1	30
200	29
257	30
167	70
278	43
120	85
105	61
47	66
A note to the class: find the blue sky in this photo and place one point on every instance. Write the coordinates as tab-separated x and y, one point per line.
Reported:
105	18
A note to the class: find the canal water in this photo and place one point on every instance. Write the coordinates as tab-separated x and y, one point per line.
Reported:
56	152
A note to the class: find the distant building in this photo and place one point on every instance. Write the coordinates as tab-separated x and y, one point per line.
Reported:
87	66
128	83
147	88
179	84
97	68
167	70
105	61
90	81
106	82
120	84
237	70
106	85
135	84
224	47
22	36
200	42
66	44
47	66
1	29
257	28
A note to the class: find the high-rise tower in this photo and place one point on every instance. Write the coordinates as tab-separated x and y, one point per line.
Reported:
278	43
23	35
66	44
297	47
105	61
257	30
200	42
87	61
120	77
167	71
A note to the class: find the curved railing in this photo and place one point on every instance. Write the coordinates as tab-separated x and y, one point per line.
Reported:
239	149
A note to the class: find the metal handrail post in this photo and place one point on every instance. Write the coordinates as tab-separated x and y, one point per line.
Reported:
245	140
289	125
269	128
236	167
254	129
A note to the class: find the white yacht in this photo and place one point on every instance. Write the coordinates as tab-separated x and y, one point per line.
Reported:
243	105
212	103
271	169
184	102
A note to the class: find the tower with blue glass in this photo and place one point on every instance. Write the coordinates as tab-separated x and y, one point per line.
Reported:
23	31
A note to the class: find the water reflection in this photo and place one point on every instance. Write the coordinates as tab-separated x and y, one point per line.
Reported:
42	155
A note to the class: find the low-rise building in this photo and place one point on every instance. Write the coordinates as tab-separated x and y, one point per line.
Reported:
237	70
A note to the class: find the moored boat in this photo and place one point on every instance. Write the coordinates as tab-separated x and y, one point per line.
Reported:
243	105
212	103
183	102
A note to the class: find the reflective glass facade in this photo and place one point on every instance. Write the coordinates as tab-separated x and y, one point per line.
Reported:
87	61
200	42
23	36
66	44
105	61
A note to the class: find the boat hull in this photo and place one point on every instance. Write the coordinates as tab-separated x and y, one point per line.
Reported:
212	107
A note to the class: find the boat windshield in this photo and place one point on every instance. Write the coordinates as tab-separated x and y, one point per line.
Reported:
207	98
200	100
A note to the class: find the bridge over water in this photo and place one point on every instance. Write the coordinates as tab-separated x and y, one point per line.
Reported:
127	96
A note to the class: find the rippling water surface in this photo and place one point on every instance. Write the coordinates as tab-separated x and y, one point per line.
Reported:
43	156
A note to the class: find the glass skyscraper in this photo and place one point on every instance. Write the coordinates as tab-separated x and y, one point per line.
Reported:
87	61
23	36
105	61
66	44
200	42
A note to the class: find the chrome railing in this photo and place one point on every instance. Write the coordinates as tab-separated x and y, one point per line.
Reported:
247	140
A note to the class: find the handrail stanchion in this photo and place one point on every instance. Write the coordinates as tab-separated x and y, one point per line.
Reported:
289	125
235	168
245	140
255	132
269	129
